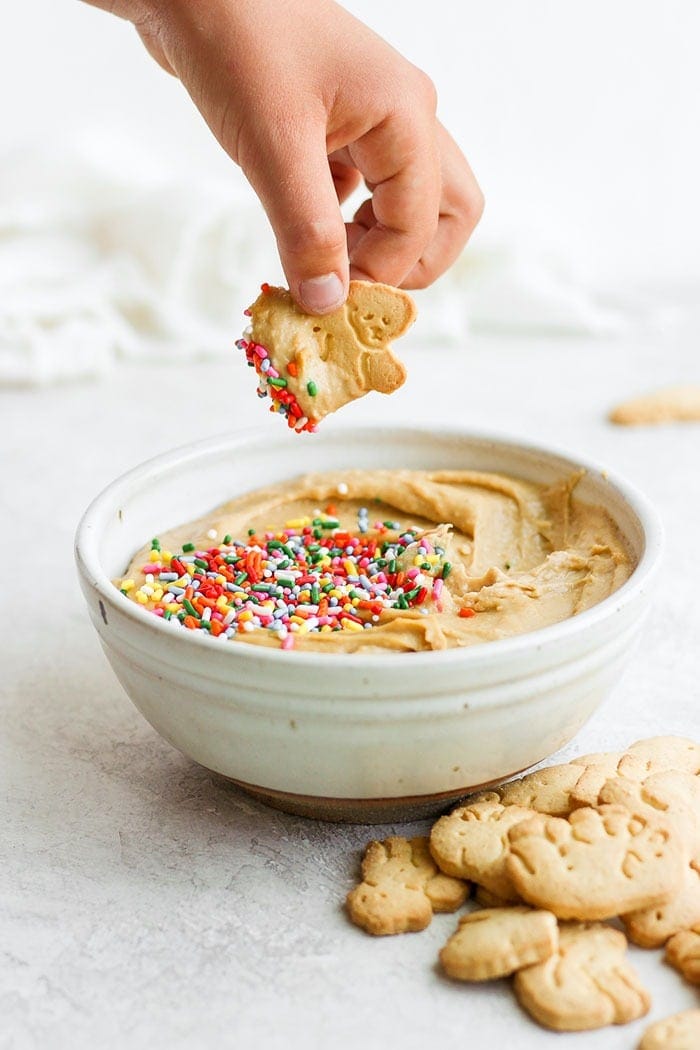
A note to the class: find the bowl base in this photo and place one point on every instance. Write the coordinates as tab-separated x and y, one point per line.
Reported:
363	810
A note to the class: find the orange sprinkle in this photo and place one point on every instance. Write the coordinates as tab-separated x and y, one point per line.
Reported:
190	622
293	369
217	628
331	509
189	591
467	613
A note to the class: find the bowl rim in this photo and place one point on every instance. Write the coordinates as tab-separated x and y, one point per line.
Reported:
474	656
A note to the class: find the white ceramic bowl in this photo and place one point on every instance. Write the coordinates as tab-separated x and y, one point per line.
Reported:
356	737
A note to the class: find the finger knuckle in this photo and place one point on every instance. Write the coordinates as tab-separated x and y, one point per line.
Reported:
312	236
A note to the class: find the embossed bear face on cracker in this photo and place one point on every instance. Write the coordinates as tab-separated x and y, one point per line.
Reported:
318	364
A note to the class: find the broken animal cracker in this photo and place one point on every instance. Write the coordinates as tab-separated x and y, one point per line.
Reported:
310	365
683	953
678	1032
496	942
597	864
401	888
587	983
679	404
472	843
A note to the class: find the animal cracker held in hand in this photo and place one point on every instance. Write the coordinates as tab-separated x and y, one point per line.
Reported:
310	366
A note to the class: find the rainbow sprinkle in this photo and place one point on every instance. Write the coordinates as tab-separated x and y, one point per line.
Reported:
272	384
312	576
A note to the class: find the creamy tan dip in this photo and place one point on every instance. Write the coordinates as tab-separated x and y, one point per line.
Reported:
390	560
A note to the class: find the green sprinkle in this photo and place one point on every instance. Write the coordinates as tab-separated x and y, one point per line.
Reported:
318	534
315	596
251	532
264	587
227	539
446	570
426	566
155	544
392	565
241	578
312	388
181	616
205	624
201	563
190	607
123	591
187	547
410	595
333	523
327	587
167	614
277	382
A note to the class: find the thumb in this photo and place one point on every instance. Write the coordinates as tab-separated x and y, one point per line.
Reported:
291	176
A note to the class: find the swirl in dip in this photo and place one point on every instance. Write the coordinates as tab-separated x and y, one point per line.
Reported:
386	560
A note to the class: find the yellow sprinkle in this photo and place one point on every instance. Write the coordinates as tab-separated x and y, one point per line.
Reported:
418	560
245	616
166	557
172	607
154	557
128	585
303	628
297	523
297	619
220	579
350	625
432	558
350	567
325	629
141	598
335	593
221	602
157	594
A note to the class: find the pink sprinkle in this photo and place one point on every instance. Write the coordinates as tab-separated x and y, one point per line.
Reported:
152	568
412	573
437	589
273	373
158	612
260	351
288	642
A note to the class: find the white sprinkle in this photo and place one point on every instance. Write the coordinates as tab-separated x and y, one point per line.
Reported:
149	577
211	535
342	489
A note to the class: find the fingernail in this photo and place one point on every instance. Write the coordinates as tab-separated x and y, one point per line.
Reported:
322	294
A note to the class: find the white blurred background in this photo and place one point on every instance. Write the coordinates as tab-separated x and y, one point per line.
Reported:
124	229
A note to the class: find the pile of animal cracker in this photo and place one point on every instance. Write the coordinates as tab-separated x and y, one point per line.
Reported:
550	858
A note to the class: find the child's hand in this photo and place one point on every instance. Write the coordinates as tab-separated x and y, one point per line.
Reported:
309	102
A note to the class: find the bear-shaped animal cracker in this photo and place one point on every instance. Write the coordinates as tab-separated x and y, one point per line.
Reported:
311	366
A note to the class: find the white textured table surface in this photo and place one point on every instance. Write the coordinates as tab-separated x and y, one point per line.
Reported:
143	904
